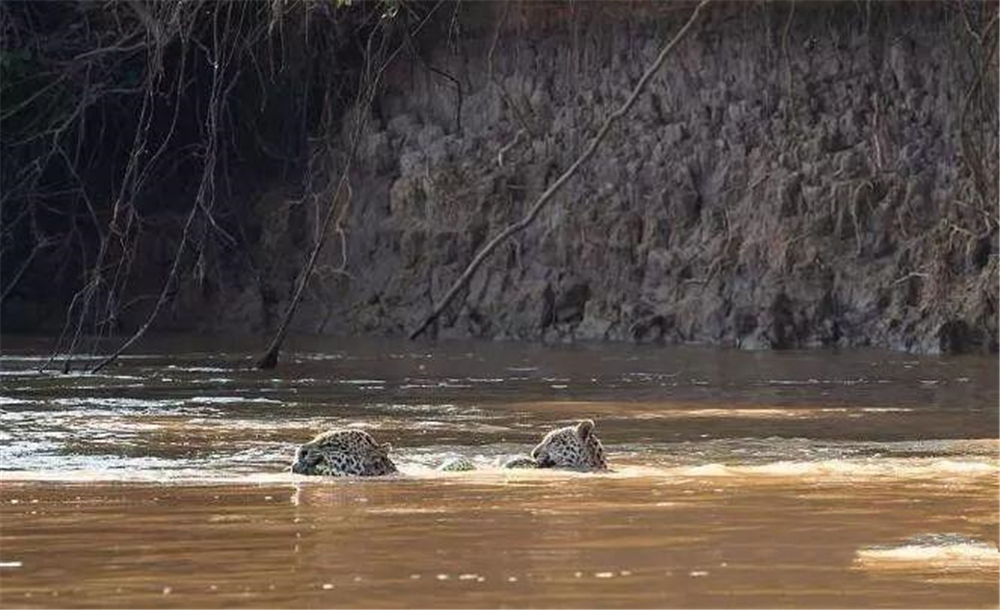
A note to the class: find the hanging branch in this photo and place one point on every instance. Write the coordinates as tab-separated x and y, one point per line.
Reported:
547	196
206	188
122	214
366	94
972	156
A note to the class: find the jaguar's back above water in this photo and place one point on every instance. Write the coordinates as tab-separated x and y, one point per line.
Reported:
463	464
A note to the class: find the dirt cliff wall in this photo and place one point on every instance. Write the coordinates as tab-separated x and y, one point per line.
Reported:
795	176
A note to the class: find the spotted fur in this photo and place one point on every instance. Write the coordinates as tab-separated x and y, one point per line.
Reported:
520	461
462	464
340	453
459	464
571	447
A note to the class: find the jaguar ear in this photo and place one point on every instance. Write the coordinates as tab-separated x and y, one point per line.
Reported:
585	428
385	448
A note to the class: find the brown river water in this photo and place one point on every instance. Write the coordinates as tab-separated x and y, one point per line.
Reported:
739	479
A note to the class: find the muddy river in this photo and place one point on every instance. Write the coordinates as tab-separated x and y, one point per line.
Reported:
739	479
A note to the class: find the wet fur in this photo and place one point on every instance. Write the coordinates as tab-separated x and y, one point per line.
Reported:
340	453
575	447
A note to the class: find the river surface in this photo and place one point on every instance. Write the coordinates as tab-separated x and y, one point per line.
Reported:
739	479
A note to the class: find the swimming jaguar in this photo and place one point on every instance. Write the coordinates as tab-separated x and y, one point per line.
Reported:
340	453
356	453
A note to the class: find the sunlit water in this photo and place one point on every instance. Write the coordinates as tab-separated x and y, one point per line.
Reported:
805	479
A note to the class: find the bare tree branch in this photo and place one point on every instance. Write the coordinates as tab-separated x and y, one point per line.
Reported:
522	224
269	359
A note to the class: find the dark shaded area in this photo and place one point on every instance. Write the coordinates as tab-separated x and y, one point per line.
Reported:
110	112
802	174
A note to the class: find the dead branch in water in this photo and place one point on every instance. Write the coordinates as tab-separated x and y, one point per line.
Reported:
549	193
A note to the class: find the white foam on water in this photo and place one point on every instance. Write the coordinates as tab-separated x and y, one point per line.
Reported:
6	400
76	357
120	386
766	412
488	472
178	476
851	468
230	400
317	356
709	470
198	369
813	381
116	403
407	472
949	553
